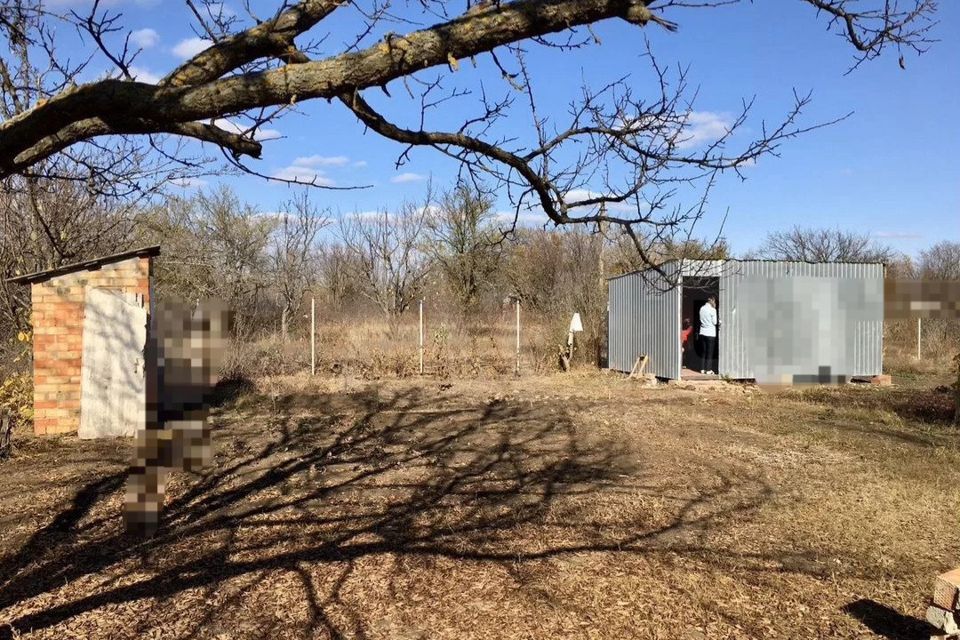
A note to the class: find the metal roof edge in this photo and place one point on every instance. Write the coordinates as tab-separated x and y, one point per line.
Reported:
91	265
636	271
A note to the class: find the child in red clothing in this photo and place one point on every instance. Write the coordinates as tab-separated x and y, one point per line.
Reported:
686	339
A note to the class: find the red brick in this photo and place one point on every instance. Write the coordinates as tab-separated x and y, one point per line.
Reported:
946	590
58	316
40	425
62	426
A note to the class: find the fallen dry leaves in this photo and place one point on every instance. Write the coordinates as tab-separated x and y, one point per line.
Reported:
577	506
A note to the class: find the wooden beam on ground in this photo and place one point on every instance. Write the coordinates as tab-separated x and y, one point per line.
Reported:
639	365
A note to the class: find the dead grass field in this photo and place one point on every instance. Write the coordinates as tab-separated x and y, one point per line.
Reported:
575	506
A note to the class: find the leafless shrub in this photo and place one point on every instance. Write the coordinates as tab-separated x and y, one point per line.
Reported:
940	262
824	245
218	249
465	243
616	158
293	252
389	255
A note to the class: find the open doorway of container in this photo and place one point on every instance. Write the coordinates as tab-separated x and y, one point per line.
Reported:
694	294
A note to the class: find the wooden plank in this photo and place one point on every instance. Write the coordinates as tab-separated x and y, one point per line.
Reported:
639	365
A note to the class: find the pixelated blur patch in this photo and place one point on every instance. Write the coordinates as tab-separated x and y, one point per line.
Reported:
823	376
908	299
188	347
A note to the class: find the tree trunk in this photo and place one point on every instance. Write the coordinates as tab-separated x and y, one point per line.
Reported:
956	392
6	430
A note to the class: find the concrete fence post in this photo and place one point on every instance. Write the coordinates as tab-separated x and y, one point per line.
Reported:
919	333
420	343
517	370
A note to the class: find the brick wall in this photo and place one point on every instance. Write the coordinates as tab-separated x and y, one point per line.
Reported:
57	319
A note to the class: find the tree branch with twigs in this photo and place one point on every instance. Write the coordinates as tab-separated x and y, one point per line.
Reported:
620	150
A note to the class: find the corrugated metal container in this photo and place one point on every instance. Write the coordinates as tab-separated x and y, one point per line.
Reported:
780	321
644	319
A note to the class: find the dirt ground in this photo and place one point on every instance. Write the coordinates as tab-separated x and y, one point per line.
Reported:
578	506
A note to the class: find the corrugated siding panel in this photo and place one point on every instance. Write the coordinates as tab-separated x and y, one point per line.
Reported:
801	314
645	318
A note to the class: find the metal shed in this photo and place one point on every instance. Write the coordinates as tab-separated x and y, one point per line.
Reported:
780	322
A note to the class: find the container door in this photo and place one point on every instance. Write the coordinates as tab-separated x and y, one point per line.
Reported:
113	383
645	320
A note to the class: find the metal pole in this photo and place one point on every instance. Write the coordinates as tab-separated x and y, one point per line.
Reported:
919	331
518	337
421	337
313	336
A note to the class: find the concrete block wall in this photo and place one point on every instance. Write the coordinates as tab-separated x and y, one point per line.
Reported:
57	319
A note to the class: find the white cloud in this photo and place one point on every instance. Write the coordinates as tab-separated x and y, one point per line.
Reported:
533	214
897	235
145	38
523	219
306	175
322	161
360	164
576	195
190	47
189	183
404	178
703	127
143	75
260	134
366	215
392	217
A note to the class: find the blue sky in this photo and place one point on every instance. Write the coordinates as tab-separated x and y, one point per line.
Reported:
890	169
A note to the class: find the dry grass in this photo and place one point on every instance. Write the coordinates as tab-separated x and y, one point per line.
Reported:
377	349
373	349
546	507
940	342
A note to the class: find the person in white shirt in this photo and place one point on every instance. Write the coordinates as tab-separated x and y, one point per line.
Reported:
708	334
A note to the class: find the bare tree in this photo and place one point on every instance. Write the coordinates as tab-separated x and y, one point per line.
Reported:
902	267
557	273
465	243
824	245
941	261
220	244
534	270
49	223
616	147
625	258
76	204
293	253
337	268
34	74
388	248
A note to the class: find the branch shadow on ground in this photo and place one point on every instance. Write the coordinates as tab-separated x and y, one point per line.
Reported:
332	478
